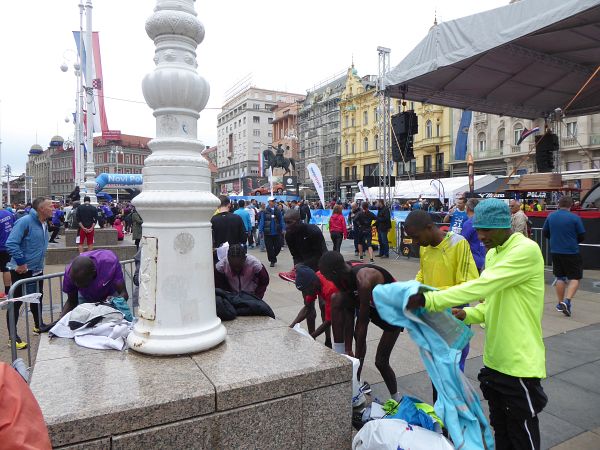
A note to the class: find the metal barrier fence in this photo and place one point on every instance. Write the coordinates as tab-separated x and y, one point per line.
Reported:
537	234
49	303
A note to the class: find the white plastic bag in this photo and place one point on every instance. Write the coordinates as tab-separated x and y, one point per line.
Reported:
392	434
298	328
358	398
222	251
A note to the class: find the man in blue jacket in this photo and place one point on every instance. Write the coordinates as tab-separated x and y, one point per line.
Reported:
271	225
27	245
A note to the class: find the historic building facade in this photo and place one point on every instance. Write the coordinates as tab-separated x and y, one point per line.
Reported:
319	134
361	144
244	130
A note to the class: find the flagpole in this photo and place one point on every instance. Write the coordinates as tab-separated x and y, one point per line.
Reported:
80	179
90	172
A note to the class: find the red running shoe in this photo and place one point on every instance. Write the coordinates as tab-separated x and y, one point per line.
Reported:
288	276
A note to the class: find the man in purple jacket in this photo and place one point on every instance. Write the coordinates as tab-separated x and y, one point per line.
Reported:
92	277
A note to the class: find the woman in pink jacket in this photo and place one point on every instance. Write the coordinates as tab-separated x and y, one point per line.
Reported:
337	228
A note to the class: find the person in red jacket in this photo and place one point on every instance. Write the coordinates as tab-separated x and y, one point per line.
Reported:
337	228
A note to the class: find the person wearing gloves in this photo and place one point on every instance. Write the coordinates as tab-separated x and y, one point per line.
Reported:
512	285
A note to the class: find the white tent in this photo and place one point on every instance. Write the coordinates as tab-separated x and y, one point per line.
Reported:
432	188
523	60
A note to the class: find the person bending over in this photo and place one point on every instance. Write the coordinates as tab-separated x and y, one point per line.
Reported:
93	277
314	285
355	282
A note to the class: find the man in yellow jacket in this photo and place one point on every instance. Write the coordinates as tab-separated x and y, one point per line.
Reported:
512	285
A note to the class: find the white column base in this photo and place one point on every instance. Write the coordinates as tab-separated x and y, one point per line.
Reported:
144	339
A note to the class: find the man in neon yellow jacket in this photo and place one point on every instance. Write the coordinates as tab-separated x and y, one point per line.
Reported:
512	285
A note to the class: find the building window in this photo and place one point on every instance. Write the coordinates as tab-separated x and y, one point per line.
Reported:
376	142
244	120
517	133
375	115
428	130
427	163
437	129
255	119
346	121
346	147
256	106
574	165
501	138
270	134
353	147
366	118
481	142
256	132
366	144
353	121
347	173
354	175
127	159
571	129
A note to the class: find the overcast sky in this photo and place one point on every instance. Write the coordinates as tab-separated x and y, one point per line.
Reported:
288	46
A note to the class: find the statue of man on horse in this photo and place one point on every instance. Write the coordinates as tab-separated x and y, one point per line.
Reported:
278	160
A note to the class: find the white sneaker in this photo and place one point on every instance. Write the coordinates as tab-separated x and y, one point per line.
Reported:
358	400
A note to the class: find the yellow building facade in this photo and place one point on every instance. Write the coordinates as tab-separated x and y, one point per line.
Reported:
433	143
360	141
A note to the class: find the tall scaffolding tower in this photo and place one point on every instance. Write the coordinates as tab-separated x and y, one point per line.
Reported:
383	109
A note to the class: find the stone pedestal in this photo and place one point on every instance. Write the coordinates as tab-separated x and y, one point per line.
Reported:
265	387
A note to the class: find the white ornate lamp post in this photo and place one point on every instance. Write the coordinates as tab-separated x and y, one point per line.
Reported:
177	304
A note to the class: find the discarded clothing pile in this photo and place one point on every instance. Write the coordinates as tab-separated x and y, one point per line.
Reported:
230	305
410	409
440	338
99	326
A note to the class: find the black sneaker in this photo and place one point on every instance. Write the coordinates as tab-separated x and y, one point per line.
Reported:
272	264
365	388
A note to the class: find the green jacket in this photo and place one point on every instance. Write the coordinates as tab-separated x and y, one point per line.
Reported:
512	285
136	226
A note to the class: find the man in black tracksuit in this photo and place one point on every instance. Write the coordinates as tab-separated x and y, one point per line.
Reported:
305	241
226	226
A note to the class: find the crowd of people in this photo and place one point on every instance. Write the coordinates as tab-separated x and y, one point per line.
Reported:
484	267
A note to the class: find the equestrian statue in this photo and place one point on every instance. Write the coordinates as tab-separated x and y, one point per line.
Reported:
278	160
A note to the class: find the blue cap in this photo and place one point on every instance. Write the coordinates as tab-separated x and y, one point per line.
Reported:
492	213
305	277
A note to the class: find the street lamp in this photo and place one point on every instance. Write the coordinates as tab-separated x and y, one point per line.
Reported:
116	151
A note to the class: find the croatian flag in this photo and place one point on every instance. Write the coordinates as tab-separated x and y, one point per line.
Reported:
97	110
526	133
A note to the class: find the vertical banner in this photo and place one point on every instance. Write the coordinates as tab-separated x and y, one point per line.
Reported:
364	191
460	151
471	172
270	175
315	175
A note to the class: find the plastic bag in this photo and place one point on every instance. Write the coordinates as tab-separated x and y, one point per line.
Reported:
358	398
392	434
298	328
222	251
